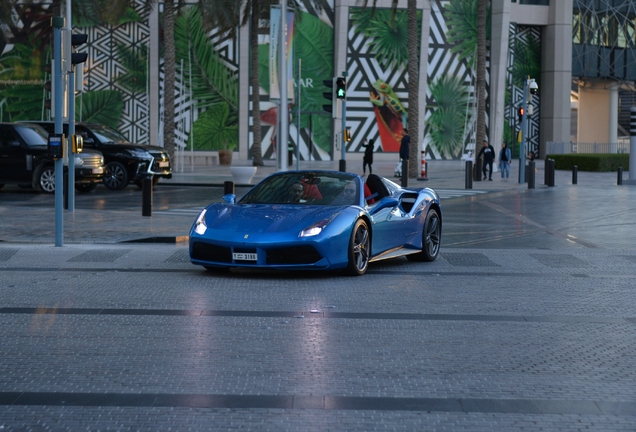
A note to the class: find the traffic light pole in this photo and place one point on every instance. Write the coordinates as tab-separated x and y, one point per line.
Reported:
524	125
343	152
71	117
58	23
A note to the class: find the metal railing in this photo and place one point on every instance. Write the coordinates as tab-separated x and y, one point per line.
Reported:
622	146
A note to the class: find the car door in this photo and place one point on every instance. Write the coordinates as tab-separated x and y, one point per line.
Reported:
15	161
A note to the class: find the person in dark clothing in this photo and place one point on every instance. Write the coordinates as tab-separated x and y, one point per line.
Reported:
405	144
488	152
368	156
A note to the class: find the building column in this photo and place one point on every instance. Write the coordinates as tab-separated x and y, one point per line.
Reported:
153	77
499	47
613	113
244	92
556	75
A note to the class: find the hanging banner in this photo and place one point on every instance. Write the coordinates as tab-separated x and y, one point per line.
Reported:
274	42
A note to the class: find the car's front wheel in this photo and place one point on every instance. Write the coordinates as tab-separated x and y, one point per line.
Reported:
45	179
431	238
359	249
86	187
116	176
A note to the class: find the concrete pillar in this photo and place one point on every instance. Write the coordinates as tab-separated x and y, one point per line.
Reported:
426	28
499	47
613	114
556	75
244	92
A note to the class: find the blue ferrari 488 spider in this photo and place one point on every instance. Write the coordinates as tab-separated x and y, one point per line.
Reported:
318	220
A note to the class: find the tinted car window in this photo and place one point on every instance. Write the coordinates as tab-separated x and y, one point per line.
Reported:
33	135
106	134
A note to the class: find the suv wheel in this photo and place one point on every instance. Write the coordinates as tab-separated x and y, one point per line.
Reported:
116	176
45	179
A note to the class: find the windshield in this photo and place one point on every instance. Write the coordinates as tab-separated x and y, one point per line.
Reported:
105	134
306	187
33	135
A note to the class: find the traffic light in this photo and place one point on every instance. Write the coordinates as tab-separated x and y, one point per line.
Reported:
330	95
341	88
347	135
76	40
520	113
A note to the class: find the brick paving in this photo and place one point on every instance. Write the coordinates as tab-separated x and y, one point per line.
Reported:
526	321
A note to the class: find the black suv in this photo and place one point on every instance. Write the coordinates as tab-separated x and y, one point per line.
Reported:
24	160
125	162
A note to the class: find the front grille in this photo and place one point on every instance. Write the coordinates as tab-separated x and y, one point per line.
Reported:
92	161
209	252
293	255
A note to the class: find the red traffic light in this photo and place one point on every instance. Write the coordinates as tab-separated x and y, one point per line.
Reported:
520	113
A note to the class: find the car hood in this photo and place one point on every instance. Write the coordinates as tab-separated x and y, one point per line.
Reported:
131	146
266	218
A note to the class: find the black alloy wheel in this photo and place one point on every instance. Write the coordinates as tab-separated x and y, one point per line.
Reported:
359	249
116	176
431	238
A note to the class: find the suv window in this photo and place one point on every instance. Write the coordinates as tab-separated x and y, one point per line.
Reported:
32	135
106	134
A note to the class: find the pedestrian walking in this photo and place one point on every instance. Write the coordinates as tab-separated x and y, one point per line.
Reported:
367	159
405	144
488	152
505	156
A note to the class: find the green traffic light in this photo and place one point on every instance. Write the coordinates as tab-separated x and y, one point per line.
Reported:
341	93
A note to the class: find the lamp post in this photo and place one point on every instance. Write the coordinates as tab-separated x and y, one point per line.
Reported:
529	84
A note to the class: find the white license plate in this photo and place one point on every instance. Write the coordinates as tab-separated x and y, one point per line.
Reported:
164	164
98	170
244	256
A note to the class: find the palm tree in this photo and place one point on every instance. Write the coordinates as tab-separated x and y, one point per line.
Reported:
168	77
413	85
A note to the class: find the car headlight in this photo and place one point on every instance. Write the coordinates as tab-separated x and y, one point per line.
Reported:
199	225
79	161
139	153
315	229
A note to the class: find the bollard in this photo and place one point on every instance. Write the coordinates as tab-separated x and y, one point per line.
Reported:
477	172
405	173
228	187
619	180
575	174
469	174
551	173
146	196
531	176
546	171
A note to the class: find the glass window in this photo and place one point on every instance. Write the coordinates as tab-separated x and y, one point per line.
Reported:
33	135
105	134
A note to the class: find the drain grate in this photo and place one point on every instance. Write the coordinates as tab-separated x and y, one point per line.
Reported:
99	256
469	260
6	254
182	256
560	260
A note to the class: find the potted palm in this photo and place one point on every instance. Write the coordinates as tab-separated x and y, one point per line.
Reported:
213	131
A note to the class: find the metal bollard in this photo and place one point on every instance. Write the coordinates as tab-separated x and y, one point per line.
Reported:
551	173
546	171
405	173
228	187
65	191
146	196
619	181
478	167
575	174
469	174
530	172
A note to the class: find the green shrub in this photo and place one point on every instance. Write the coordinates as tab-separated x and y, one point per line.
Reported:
591	162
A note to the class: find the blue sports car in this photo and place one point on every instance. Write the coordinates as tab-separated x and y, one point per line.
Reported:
318	220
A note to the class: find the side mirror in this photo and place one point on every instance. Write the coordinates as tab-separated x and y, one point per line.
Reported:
384	203
229	198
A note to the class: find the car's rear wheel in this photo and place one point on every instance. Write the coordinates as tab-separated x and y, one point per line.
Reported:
45	179
86	187
431	238
116	176
359	249
140	183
